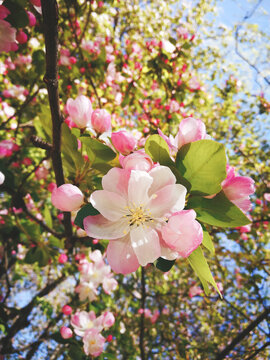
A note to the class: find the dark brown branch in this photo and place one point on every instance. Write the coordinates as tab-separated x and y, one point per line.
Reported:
243	334
40	143
142	315
258	351
22	320
50	26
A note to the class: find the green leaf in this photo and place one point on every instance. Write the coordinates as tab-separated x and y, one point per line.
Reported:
163	264
38	61
97	151
158	149
58	243
219	211
72	158
207	241
18	16
201	268
84	212
48	217
203	164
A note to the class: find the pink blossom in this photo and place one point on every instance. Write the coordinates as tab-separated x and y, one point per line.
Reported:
194	291
194	84
93	342
83	321
62	259
31	18
80	111
109	285
190	130
51	187
155	316
67	197
101	121
123	142
138	160
174	106
21	37
238	189
133	206
4	12
183	233
107	319
147	313
66	332
41	173
67	310
266	196
245	229
7	147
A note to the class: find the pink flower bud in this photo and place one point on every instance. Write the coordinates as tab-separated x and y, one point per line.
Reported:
62	259
123	142
190	130
67	197
67	310
4	12
35	2
51	187
66	332
80	111
101	121
136	161
31	18
21	37
109	338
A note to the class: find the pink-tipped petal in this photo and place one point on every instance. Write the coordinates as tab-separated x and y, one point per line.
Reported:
121	256
162	176
116	180
183	233
190	130
169	199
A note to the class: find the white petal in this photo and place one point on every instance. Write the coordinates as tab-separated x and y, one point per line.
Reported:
169	199
138	187
162	176
99	227
145	243
109	204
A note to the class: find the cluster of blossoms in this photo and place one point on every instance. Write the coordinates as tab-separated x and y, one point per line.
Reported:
141	207
94	272
89	327
149	315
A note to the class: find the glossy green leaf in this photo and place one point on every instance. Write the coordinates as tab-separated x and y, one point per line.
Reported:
201	268
207	241
218	211
203	164
163	264
158	149
84	212
97	151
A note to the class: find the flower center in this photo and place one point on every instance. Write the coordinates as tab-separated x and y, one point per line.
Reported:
138	216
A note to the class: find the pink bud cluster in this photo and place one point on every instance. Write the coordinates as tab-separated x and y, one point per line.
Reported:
81	113
149	315
94	272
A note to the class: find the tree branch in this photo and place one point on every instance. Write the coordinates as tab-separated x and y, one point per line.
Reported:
50	25
142	315
242	334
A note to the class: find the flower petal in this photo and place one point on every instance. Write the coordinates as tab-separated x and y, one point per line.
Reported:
145	243
99	227
171	198
116	180
138	187
183	233
109	204
162	176
121	256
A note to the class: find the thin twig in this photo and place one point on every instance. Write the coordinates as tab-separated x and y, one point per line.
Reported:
142	315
